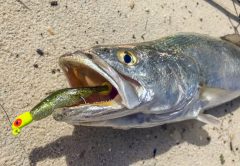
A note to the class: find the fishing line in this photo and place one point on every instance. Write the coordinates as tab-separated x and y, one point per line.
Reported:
83	99
5	112
8	119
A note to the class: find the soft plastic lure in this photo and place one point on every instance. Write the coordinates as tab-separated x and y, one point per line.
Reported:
59	99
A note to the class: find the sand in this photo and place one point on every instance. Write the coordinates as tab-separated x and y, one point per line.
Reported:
26	77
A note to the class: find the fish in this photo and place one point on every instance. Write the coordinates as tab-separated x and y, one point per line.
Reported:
172	79
61	98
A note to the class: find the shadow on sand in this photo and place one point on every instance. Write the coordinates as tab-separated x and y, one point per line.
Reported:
104	146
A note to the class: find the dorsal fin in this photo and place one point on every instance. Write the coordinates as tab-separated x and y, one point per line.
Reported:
232	38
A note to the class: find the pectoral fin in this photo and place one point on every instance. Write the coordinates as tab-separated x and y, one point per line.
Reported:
209	119
212	97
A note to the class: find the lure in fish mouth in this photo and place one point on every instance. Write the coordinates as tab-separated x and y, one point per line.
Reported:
87	69
144	84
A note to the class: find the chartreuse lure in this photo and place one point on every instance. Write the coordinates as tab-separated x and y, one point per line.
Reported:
62	98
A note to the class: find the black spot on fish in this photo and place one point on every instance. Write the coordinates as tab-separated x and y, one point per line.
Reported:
168	71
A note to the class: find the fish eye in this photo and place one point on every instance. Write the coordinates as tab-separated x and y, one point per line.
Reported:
127	57
17	122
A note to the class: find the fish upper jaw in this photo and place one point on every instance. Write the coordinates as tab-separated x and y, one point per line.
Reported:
85	68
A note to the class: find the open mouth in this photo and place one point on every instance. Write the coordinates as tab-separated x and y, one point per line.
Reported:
81	75
85	69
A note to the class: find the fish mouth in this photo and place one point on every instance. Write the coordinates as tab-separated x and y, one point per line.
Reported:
86	69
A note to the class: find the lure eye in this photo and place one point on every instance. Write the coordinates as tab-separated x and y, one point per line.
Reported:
17	122
127	57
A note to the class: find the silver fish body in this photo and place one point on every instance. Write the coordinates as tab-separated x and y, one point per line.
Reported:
163	81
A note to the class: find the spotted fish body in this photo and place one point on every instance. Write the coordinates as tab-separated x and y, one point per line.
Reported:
173	79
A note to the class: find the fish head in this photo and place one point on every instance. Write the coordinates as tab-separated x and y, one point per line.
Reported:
126	67
133	66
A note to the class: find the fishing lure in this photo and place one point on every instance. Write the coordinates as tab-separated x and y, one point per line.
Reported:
62	98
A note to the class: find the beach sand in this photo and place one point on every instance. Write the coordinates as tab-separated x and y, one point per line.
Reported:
27	76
